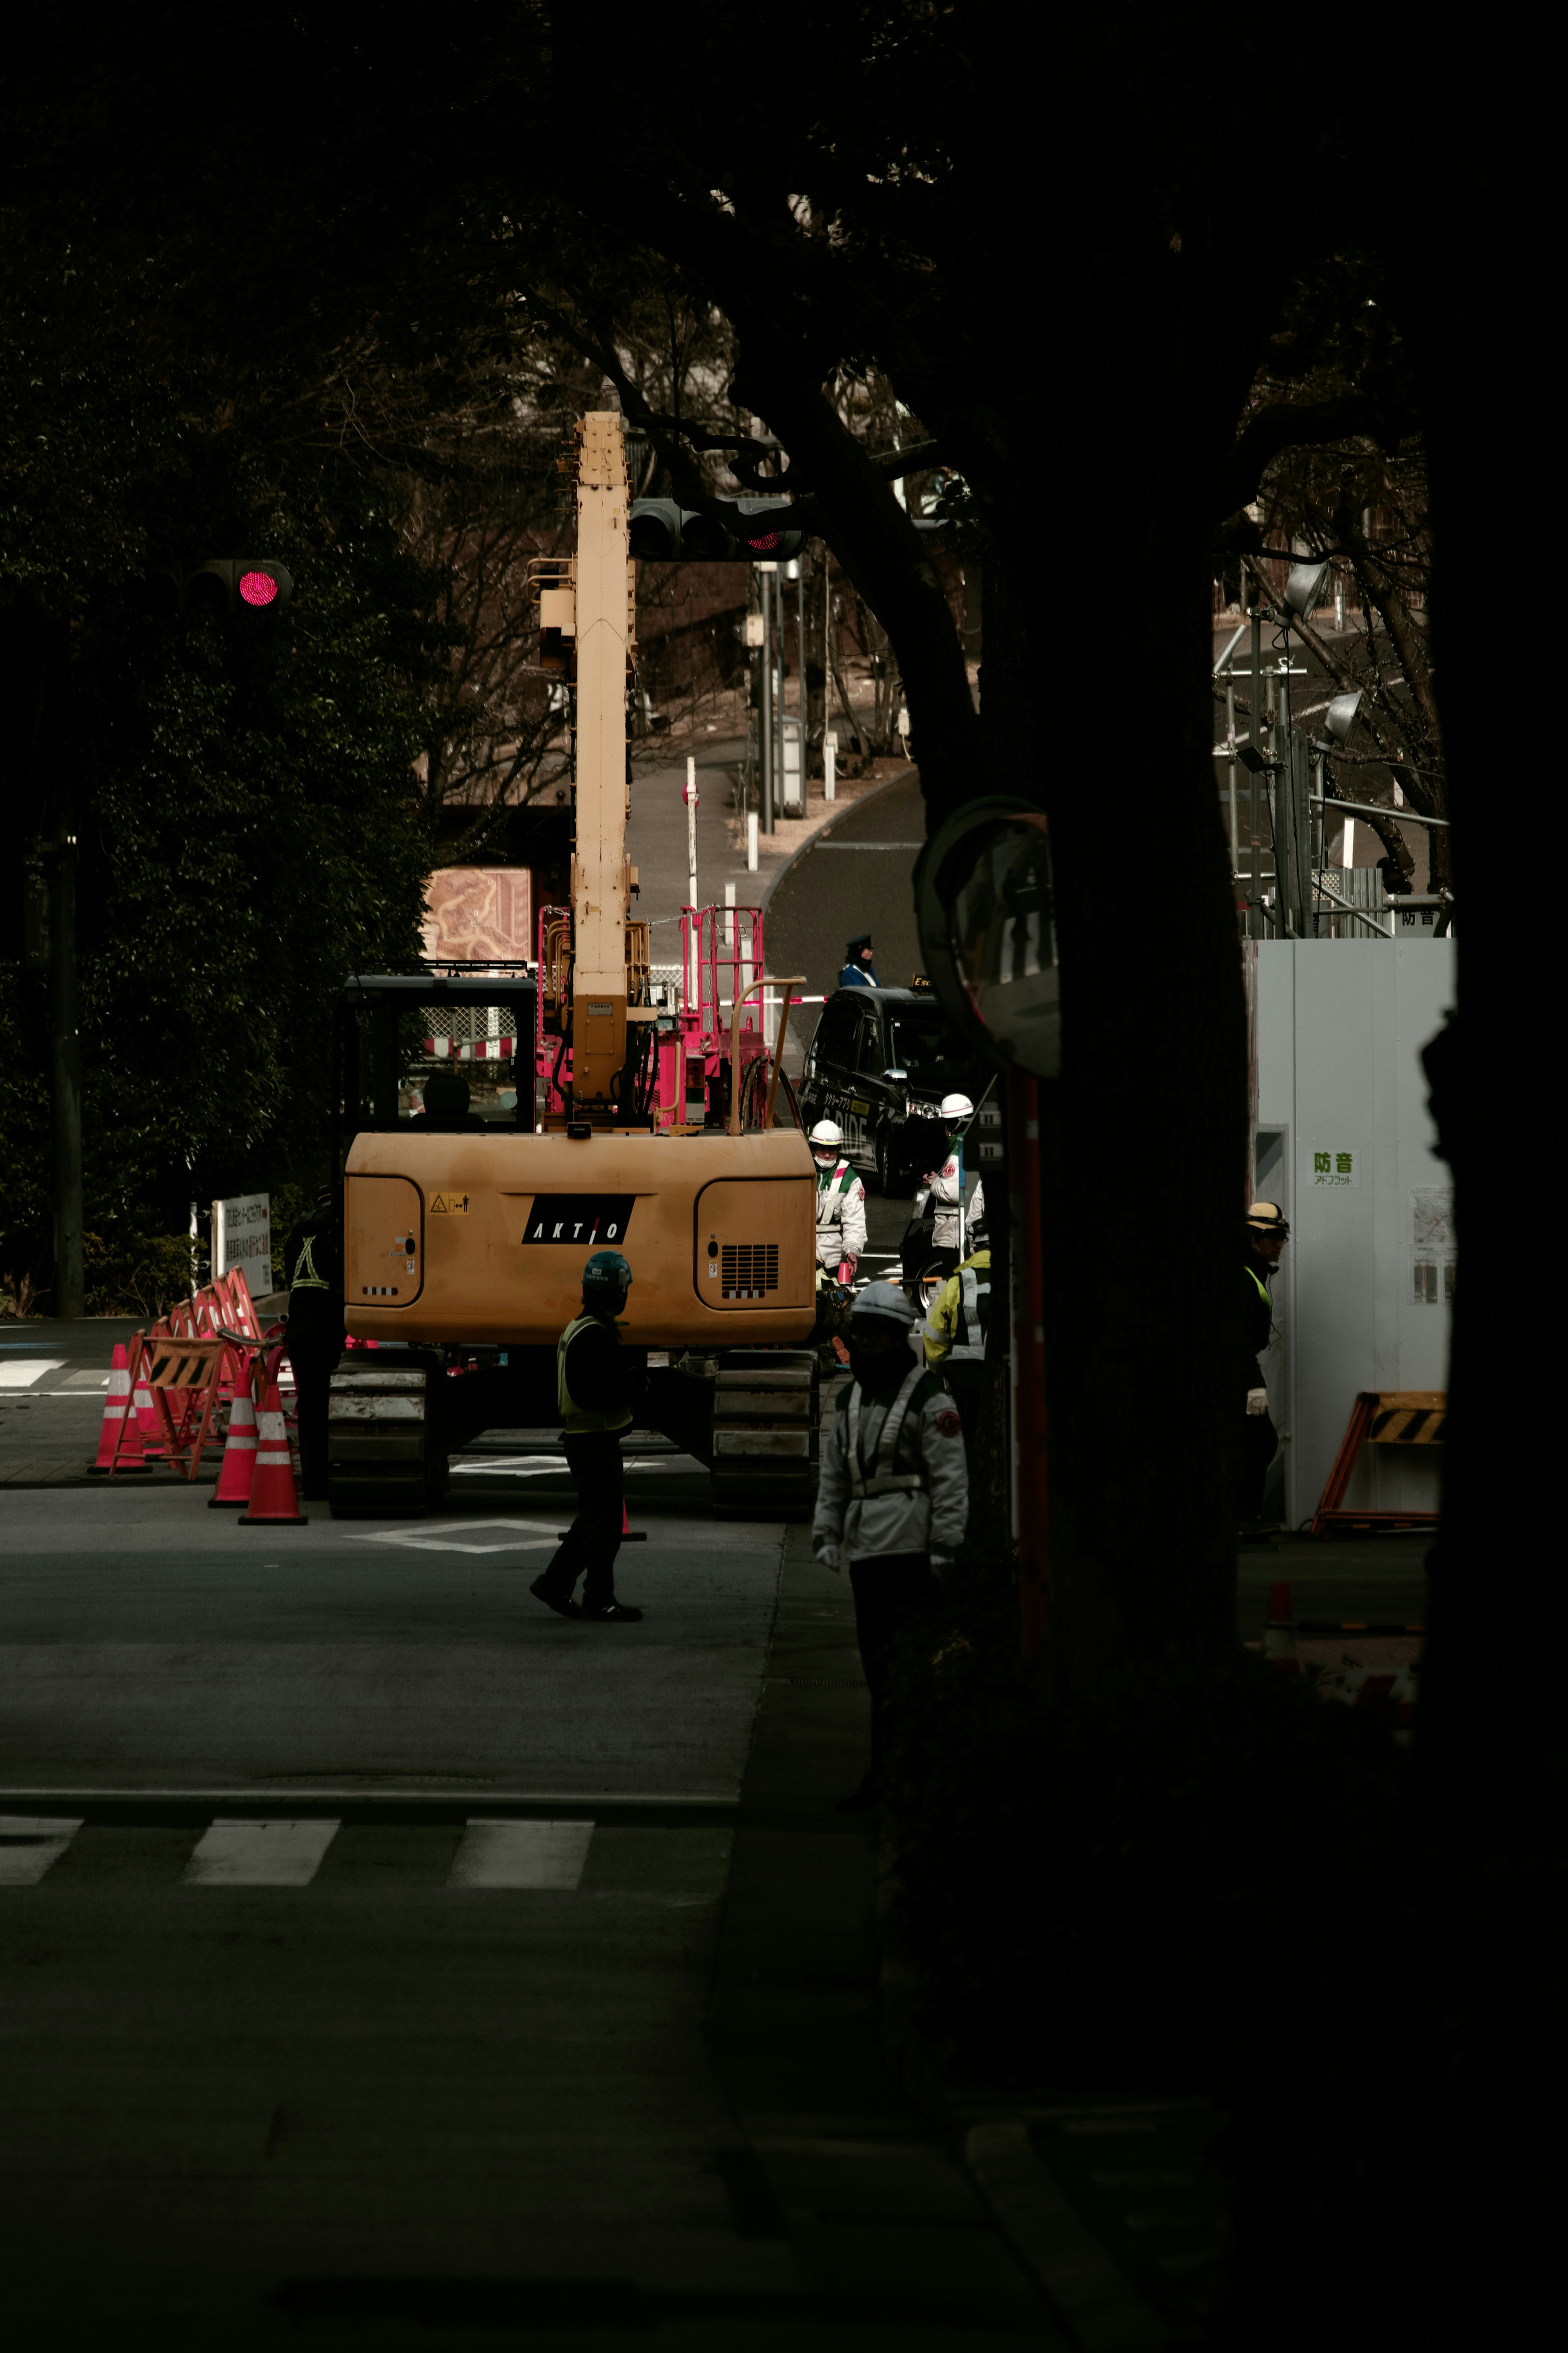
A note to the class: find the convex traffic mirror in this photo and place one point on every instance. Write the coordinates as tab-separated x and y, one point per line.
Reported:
985	907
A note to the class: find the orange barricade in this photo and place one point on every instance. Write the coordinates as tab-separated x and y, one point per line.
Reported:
185	1378
209	1349
1381	1418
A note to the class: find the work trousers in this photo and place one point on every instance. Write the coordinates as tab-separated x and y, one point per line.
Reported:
594	1538
891	1593
315	1345
1259	1438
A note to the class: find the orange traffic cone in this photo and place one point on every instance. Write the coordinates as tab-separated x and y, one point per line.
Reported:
149	1438
1279	1631
237	1473
116	1408
274	1502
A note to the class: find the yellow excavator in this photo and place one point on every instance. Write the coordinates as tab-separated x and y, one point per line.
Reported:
464	1247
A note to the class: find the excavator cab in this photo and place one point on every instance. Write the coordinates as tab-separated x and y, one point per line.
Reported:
382	1021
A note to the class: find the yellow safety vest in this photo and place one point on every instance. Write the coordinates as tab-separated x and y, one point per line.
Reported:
305	1277
1263	1290
576	1419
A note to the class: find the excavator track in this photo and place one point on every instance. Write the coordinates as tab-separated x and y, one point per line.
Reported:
380	1455
766	1412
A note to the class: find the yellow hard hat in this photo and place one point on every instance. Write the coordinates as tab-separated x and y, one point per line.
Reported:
1268	1217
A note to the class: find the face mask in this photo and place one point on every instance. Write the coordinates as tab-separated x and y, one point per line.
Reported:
880	1374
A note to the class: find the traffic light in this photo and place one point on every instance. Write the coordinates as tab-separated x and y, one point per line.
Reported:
661	531
225	586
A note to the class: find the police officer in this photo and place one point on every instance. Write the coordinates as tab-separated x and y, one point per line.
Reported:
858	972
597	1382
956	1327
893	1496
313	1263
1267	1234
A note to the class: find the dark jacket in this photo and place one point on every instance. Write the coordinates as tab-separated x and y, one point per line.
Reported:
1257	1320
313	1271
602	1375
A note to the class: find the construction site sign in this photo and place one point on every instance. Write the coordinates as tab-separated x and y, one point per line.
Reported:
242	1237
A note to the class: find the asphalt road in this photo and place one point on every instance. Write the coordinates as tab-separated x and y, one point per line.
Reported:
384	1959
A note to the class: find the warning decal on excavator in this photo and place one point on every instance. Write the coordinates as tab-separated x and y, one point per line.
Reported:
449	1205
585	1219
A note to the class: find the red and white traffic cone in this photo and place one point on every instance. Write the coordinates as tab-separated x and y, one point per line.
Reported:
274	1500
149	1438
237	1472
116	1407
1279	1631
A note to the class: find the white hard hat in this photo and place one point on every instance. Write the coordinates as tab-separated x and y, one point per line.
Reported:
885	1300
956	1107
829	1133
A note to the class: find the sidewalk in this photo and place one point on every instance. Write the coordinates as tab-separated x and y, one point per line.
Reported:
887	2226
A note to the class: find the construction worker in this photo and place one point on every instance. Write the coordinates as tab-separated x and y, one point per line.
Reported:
892	1499
955	1330
313	1264
1266	1235
840	1204
597	1382
858	972
939	1205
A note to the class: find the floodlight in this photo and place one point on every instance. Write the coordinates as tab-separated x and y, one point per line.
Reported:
1340	717
1304	588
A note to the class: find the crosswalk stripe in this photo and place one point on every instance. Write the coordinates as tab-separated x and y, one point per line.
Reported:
259	1854
521	1854
29	1844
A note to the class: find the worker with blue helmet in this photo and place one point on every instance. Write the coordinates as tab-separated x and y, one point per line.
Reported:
597	1382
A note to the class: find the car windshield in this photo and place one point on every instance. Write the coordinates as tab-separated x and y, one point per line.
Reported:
921	1041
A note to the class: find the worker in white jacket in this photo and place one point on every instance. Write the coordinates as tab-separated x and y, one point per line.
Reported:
932	1241
840	1202
892	1498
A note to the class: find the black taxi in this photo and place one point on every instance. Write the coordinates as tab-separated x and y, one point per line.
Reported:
879	1064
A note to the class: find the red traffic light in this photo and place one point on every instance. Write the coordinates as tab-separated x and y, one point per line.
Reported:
769	539
258	587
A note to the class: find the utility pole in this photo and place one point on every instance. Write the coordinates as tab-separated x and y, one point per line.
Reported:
800	647
1255	731
766	712
65	1043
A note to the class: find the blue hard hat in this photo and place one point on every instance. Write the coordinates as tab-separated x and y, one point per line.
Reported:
608	1270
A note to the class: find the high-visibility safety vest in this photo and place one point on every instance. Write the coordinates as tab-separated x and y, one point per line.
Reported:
1263	1290
577	1420
883	1480
974	1285
304	1277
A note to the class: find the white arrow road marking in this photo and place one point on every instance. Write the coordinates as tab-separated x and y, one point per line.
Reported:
29	1844
530	1537
528	1466
259	1854
521	1854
